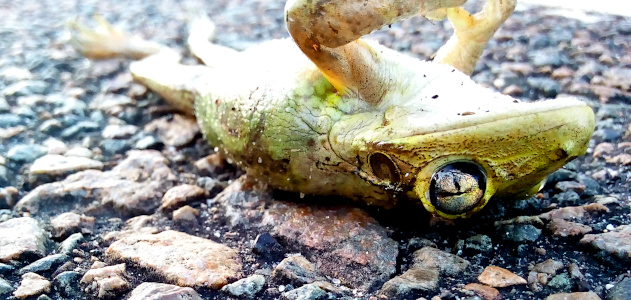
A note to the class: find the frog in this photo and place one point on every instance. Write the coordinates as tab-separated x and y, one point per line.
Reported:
328	112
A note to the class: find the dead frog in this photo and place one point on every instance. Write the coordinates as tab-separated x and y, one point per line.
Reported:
330	113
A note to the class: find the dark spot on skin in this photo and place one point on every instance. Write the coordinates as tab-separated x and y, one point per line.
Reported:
561	153
311	143
233	109
435	96
468	113
328	159
217	102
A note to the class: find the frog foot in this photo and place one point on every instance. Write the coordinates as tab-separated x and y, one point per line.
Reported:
481	26
105	41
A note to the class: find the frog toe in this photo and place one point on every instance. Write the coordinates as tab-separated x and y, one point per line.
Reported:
481	26
104	41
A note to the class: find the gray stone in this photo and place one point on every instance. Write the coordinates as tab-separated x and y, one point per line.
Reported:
412	281
147	142
4	105
478	243
543	58
561	283
111	147
621	290
5	287
70	243
549	88
296	270
45	264
246	287
81	127
133	187
5	269
26	153
10	120
446	263
570	198
67	283
58	165
305	292
519	233
162	291
20	237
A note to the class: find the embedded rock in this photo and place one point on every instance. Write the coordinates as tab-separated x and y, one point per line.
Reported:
179	257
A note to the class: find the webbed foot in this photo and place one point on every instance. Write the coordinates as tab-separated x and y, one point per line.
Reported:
105	41
471	33
481	26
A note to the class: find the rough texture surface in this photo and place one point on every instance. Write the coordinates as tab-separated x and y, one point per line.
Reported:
181	258
20	237
162	291
55	102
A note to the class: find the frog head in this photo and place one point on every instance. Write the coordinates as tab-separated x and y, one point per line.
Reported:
453	154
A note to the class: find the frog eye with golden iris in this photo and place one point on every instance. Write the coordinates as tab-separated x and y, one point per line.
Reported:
457	188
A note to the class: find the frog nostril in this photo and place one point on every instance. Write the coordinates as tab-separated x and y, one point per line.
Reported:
457	188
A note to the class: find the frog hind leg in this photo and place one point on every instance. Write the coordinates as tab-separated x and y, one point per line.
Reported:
201	31
471	33
328	32
156	66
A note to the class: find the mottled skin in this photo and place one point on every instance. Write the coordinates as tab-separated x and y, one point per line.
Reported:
339	115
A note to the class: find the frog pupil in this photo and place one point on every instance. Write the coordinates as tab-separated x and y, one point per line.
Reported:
457	188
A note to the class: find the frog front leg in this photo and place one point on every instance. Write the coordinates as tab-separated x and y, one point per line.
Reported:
471	33
328	32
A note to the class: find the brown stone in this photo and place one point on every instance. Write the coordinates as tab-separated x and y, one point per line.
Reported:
174	131
32	284
563	228
108	280
623	159
603	149
134	186
162	291
549	267
179	195
447	263
484	291
21	237
562	72
68	223
413	280
185	213
181	258
580	213
574	296
499	277
617	242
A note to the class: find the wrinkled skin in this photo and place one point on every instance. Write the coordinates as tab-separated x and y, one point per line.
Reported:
338	115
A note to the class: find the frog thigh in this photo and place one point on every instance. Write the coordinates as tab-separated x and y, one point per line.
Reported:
328	32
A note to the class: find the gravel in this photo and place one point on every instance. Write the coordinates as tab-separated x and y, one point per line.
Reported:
67	127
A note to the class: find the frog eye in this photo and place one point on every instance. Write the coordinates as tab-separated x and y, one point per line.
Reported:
457	188
384	168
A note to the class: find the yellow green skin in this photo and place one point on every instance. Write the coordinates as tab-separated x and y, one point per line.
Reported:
285	124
